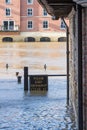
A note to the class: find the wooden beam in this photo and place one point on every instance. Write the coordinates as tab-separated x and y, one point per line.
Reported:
62	4
57	8
80	89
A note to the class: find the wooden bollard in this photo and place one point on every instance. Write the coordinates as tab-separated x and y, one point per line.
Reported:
26	78
19	79
17	73
6	66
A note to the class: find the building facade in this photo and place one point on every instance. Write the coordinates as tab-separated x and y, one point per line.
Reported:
28	18
9	15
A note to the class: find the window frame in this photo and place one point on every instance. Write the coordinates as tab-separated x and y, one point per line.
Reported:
31	12
62	24
30	25
8	2
6	13
30	2
45	12
45	25
9	27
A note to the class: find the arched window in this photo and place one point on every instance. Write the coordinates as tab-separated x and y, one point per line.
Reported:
44	39
62	39
29	39
7	39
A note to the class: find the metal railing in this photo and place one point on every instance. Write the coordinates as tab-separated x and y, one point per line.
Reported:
9	28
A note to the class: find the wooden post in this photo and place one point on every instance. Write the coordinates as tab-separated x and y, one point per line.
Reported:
19	79
67	48
26	78
17	73
80	87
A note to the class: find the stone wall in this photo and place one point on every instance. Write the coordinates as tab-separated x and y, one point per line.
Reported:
73	65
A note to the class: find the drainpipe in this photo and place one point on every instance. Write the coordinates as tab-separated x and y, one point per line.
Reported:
67	48
80	90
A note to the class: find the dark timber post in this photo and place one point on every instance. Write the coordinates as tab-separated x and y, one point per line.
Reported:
26	78
67	48
67	51
80	90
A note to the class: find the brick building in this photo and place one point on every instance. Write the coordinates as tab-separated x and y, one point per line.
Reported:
27	18
9	15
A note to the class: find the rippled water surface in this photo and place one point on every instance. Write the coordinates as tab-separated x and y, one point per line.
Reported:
21	110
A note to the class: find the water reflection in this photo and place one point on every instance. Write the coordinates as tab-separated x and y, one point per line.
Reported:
38	93
34	55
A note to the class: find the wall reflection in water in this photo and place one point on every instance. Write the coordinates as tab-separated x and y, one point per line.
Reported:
34	55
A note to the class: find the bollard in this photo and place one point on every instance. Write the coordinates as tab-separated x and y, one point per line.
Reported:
26	78
17	73
6	66
19	79
45	67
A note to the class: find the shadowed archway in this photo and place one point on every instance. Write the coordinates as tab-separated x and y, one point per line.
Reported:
62	39
7	39
45	39
29	39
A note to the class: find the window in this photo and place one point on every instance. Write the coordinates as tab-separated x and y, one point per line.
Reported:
8	25
30	1
30	24
45	24
8	12
7	1
30	12
44	12
62	26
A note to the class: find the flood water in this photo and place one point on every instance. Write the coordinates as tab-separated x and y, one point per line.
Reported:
21	110
33	55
